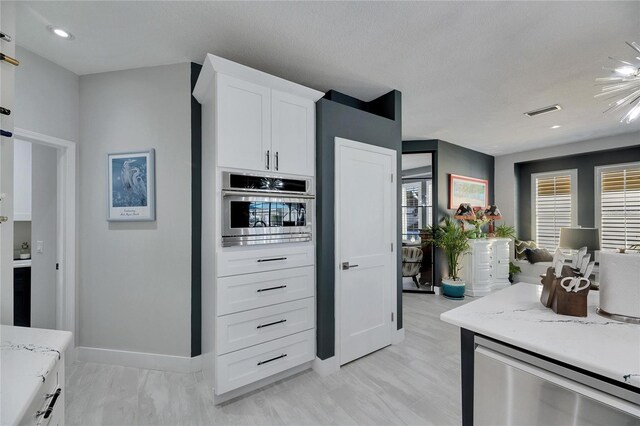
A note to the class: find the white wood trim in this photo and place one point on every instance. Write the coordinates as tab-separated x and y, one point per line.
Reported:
66	232
215	64
339	142
149	361
325	367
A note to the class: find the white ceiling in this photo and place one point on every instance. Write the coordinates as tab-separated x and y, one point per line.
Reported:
467	70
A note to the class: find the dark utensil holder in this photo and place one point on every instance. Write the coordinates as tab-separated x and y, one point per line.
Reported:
562	302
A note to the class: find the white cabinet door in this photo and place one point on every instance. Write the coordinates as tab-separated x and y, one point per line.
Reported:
243	124
293	134
22	180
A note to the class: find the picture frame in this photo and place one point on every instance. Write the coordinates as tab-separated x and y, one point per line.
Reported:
131	186
463	189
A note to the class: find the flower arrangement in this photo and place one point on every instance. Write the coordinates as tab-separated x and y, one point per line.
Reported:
478	220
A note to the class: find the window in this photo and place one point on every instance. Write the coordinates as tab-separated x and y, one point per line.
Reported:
416	207
618	205
554	206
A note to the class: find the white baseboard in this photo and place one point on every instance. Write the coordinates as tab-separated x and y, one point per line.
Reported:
219	399
324	367
149	361
397	336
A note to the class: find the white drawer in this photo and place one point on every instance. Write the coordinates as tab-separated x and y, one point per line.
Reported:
246	260
248	328
245	366
43	399
250	291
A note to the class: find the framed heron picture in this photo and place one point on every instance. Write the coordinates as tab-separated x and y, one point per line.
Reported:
131	186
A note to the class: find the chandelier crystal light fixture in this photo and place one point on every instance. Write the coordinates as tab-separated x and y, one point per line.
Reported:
623	87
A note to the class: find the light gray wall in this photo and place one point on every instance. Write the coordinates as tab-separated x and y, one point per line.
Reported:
43	228
505	178
135	277
47	97
7	92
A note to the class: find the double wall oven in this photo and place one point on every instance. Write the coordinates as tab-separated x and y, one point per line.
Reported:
260	209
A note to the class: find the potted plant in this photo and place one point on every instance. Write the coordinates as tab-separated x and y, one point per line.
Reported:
453	239
513	269
505	231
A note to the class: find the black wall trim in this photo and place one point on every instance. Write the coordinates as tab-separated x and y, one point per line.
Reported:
468	348
196	217
384	106
348	119
585	163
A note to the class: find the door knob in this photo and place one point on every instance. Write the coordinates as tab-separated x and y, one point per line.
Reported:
345	266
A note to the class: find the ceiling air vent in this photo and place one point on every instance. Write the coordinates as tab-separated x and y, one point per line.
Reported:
544	110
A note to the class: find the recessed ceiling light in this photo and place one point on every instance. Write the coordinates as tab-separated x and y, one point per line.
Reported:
60	32
555	126
626	71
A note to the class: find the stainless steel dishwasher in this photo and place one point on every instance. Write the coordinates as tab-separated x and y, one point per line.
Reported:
512	387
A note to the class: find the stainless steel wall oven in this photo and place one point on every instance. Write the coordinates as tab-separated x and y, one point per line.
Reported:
265	209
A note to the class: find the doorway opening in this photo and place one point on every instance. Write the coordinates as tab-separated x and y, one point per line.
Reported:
417	213
44	232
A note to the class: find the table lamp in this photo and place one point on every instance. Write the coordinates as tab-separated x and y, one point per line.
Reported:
464	212
492	213
576	238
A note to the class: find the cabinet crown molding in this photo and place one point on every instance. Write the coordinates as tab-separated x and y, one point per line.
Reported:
215	64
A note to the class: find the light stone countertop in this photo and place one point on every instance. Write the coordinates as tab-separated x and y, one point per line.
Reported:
27	356
515	316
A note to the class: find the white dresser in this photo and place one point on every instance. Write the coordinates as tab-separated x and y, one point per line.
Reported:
258	301
485	267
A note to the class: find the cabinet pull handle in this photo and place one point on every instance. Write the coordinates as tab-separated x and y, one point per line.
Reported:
9	59
271	260
268	159
53	402
5	111
271	288
271	323
277	162
5	37
272	359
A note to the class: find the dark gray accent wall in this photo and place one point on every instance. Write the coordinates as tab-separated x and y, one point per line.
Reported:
348	118
451	159
196	217
585	164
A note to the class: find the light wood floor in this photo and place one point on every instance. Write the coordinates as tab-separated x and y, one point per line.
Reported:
416	382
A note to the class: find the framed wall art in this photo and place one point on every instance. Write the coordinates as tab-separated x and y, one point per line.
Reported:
131	186
470	190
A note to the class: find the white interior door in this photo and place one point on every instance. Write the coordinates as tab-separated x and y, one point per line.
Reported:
365	234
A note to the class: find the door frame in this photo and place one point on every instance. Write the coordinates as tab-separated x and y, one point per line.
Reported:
340	142
66	229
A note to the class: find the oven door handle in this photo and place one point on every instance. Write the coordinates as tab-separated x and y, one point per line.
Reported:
276	195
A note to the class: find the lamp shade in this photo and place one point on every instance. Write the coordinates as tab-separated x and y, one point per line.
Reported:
575	238
464	212
492	212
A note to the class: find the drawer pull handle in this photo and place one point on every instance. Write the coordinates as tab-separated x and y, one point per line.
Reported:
271	288
272	323
272	259
47	412
272	359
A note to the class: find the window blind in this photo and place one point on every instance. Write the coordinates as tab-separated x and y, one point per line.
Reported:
620	207
553	208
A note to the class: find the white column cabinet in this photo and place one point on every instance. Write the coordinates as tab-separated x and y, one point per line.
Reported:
258	318
293	133
485	267
243	124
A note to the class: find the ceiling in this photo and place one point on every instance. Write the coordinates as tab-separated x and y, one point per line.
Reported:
467	70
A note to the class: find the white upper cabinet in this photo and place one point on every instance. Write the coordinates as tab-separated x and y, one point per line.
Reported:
293	133
21	180
262	122
243	124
